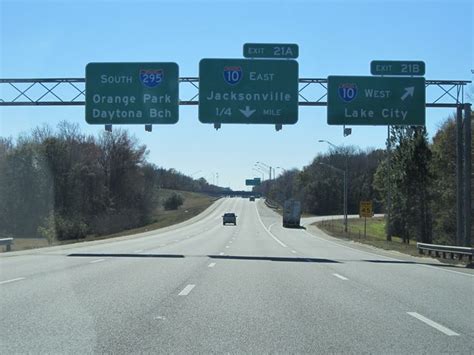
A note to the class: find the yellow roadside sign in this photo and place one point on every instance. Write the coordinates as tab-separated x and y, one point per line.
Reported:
365	209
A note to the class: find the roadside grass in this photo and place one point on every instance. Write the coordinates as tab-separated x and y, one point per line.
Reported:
194	203
375	234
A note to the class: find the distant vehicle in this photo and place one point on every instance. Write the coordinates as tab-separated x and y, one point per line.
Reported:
229	218
291	213
252	198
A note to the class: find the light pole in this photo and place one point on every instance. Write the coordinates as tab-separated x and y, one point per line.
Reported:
262	169
191	175
268	167
259	171
213	178
345	191
346	177
283	169
328	142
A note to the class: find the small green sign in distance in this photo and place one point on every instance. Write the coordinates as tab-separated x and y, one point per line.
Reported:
253	182
132	93
271	50
397	67
248	91
372	101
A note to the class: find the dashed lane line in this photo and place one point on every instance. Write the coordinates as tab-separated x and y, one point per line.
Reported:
96	261
186	290
433	324
11	280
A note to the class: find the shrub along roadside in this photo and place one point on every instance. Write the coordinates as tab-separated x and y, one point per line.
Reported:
194	204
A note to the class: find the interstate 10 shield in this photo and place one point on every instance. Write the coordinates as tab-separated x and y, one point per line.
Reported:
232	74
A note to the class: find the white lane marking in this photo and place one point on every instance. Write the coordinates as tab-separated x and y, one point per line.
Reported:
293	251
348	247
341	277
227	247
269	233
11	280
211	265
383	256
221	253
186	290
138	251
96	261
433	324
230	241
444	269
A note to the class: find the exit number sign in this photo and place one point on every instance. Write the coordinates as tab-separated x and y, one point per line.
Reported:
397	67
271	50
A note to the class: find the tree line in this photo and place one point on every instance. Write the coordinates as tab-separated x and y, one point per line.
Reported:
63	184
415	180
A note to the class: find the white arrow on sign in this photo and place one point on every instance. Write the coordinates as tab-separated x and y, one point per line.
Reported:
247	112
408	92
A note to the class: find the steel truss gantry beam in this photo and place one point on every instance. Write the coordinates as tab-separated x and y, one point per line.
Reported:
312	92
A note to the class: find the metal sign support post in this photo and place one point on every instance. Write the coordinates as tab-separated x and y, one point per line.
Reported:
365	227
388	228
459	178
467	175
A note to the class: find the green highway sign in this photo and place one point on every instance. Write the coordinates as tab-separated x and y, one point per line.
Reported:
371	100
253	182
248	91
270	50
397	67
132	93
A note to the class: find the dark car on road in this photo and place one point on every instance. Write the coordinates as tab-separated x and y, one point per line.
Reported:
229	218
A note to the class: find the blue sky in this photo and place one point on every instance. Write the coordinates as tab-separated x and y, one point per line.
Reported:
41	39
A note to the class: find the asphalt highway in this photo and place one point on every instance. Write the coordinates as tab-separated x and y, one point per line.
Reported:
201	287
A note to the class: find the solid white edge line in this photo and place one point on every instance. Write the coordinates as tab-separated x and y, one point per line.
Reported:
12	280
211	265
186	290
341	277
138	251
96	261
383	256
266	230
433	324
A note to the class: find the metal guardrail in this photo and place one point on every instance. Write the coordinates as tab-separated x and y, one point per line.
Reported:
444	250
8	242
270	204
